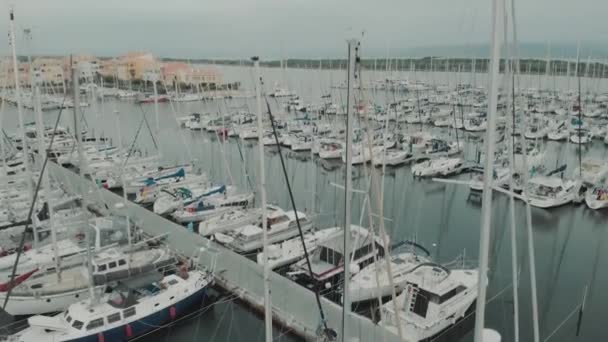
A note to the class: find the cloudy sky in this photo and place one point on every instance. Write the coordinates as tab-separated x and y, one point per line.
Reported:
290	28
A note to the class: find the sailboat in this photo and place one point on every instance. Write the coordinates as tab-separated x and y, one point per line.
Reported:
549	192
327	261
287	252
135	307
281	225
44	292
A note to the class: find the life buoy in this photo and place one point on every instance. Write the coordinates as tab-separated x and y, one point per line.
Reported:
172	312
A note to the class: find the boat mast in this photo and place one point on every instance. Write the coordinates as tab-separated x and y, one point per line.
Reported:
580	110
122	181
82	172
267	298
24	149
353	48
47	182
486	209
531	252
510	73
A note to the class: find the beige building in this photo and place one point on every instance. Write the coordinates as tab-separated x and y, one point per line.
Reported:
50	70
190	74
7	78
134	65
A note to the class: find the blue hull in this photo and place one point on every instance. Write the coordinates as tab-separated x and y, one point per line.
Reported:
149	323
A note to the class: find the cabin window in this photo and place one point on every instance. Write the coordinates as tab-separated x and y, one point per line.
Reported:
96	323
450	294
128	312
121	262
172	282
114	318
330	256
68	319
363	251
112	264
101	268
422	302
77	324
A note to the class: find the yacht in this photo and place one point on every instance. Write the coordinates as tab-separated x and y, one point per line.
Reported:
548	192
281	226
580	136
133	308
441	166
393	158
327	261
181	186
170	200
46	292
434	298
229	220
103	233
287	252
214	204
373	281
161	176
330	150
597	197
592	171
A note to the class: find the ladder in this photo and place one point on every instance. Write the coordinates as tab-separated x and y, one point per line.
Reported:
413	289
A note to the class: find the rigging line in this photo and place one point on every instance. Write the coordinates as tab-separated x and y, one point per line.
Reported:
141	124
238	144
293	204
148	126
31	209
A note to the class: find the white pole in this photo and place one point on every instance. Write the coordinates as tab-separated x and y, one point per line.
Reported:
156	104
122	181
82	171
353	47
267	298
46	179
486	209
531	252
511	130
24	149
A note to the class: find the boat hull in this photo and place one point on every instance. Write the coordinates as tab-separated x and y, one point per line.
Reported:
149	323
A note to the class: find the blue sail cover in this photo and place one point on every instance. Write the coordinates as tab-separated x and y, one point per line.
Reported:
181	173
219	190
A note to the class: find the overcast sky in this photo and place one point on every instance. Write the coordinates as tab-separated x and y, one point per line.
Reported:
289	28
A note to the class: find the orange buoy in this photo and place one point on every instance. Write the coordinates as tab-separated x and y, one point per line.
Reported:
100	337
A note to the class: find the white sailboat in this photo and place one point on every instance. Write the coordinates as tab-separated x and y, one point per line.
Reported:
287	252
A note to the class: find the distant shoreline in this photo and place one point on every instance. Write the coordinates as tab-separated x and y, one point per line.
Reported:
534	66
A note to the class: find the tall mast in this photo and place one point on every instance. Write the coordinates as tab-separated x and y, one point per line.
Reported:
353	48
82	171
24	149
580	110
122	181
267	298
531	252
47	182
510	83
486	209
